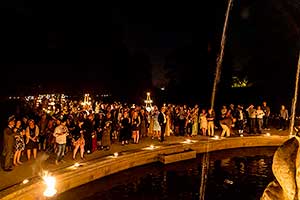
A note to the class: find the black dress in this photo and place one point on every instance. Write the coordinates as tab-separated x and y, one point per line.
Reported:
125	133
135	123
31	144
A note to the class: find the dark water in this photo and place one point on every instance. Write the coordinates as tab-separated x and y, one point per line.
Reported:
240	174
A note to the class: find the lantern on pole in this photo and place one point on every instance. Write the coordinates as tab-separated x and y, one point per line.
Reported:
148	102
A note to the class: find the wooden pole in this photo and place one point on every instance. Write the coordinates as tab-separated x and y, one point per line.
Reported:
205	159
294	101
220	56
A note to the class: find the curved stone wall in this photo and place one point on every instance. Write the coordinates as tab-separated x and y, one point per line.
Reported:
72	176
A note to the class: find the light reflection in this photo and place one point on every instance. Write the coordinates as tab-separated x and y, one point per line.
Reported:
115	155
189	141
151	147
227	181
76	165
216	137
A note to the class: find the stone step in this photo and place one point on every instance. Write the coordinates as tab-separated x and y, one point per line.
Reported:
178	156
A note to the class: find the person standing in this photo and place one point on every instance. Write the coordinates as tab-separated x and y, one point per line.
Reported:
284	117
42	124
89	126
78	139
240	119
135	127
106	139
252	118
32	132
162	122
181	120
9	144
210	122
266	117
60	133
203	122
144	121
259	115
125	132
20	144
156	126
195	114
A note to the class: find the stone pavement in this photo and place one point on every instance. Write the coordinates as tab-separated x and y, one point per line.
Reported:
33	168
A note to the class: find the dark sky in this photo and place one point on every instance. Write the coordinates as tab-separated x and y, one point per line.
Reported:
262	44
129	47
119	45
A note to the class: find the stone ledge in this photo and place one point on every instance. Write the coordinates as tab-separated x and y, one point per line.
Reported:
69	177
176	157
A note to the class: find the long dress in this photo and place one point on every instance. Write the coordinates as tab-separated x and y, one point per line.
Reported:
195	124
106	142
156	126
151	123
143	128
168	125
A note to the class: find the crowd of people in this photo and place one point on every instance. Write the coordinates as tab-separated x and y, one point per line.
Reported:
73	126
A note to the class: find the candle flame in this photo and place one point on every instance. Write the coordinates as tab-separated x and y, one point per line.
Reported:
76	165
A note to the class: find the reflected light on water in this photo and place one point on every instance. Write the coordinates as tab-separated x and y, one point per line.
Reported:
242	168
233	174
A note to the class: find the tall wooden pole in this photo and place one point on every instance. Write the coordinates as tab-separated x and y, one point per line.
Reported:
205	159
220	56
294	101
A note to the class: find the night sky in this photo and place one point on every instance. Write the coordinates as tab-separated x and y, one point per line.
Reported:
128	48
262	45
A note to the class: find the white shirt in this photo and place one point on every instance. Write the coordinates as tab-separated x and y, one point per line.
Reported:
260	114
60	133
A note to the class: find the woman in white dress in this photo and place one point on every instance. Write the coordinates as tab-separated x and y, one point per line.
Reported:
203	121
156	126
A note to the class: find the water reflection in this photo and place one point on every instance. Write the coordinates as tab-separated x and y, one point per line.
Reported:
233	174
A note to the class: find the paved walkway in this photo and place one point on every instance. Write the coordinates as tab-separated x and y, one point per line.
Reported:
32	168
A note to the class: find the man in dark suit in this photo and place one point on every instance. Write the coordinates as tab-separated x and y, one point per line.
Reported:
162	122
9	144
